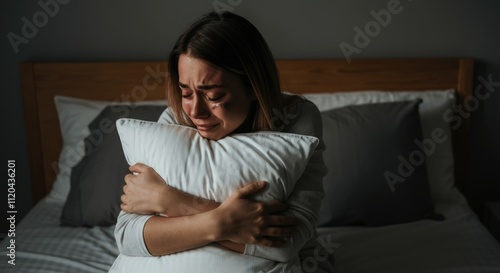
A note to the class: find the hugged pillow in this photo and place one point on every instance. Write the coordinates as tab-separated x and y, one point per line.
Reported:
433	110
215	169
74	117
377	174
97	179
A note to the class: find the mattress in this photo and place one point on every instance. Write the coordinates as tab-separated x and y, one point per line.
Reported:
43	246
458	244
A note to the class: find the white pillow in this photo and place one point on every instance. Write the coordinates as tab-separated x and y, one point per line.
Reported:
440	163
213	170
74	117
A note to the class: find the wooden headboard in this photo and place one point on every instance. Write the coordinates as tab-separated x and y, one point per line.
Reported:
122	81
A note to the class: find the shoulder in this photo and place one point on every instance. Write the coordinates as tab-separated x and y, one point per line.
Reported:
301	116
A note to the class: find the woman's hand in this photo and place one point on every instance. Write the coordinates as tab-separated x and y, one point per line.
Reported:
248	222
144	191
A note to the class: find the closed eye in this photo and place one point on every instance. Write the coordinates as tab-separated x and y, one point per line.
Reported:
183	87
204	89
215	98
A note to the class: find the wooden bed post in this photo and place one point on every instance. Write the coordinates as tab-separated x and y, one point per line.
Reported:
461	136
32	127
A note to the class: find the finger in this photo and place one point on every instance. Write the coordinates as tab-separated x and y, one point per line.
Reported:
123	198
251	188
138	168
269	242
281	220
276	207
124	208
128	178
278	231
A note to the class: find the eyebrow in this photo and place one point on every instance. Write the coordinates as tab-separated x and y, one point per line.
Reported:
202	87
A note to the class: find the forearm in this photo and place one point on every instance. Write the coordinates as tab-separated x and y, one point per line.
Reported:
146	235
178	203
167	235
187	205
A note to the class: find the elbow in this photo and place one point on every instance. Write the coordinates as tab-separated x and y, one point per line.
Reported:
129	235
119	234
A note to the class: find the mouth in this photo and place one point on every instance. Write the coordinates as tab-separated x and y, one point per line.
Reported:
205	127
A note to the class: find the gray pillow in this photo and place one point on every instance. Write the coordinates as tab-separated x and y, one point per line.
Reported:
97	180
377	174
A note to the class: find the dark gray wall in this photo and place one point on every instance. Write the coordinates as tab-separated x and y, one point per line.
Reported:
96	30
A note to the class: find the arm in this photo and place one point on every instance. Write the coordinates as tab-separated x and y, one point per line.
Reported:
147	193
137	225
130	232
139	235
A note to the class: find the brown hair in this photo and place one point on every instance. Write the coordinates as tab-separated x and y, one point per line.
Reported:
232	43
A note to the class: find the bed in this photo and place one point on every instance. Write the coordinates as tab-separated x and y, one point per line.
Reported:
453	240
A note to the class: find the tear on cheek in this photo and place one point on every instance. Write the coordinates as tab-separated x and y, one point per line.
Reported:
223	105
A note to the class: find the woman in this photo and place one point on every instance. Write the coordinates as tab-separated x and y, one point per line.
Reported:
223	80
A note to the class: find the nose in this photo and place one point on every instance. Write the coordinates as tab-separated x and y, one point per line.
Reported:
199	108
